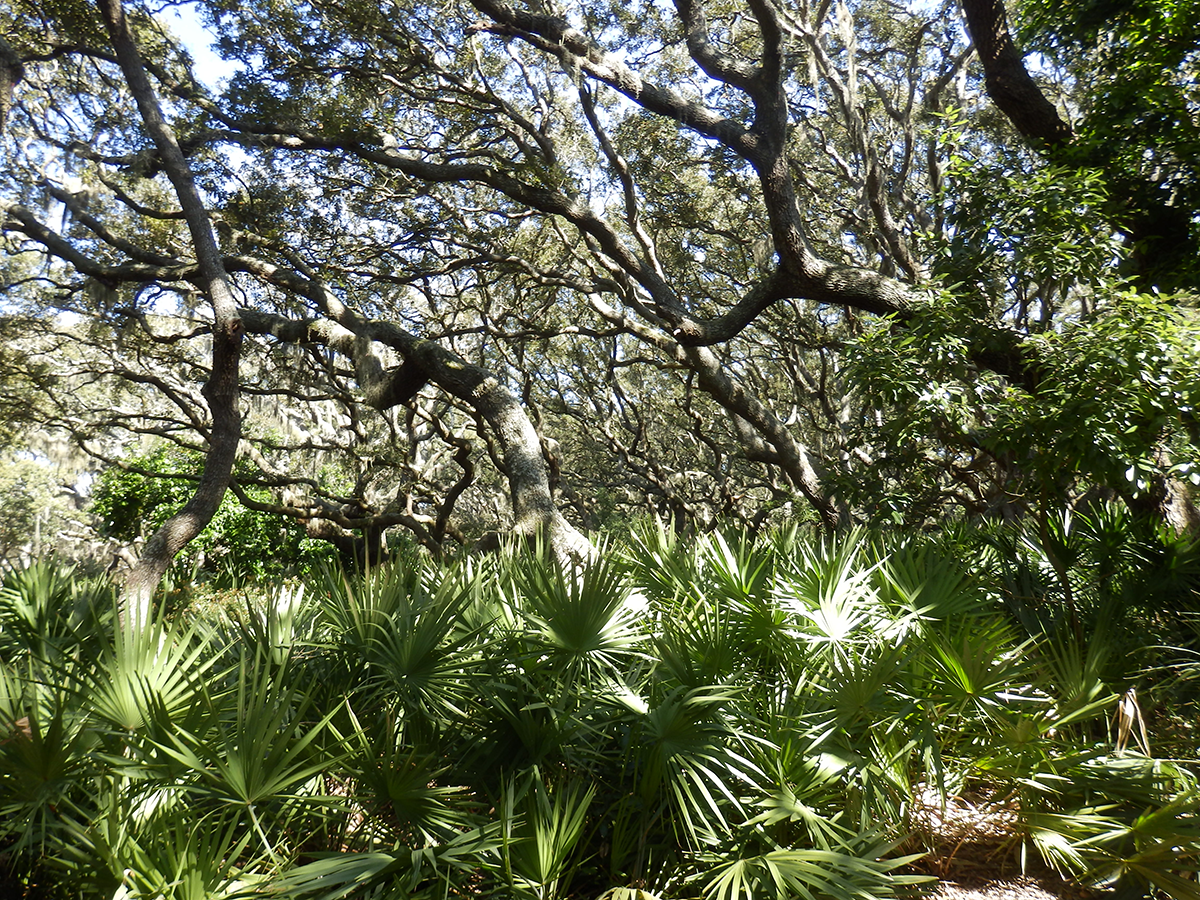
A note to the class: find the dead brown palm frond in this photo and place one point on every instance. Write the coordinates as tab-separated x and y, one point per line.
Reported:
1128	721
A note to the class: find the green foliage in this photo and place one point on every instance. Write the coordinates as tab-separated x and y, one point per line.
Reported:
22	375
717	717
48	610
935	402
1113	403
1016	234
34	508
808	874
540	831
239	545
1117	400
1139	115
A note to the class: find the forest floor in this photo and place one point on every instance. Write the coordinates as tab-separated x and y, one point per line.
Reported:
976	856
988	881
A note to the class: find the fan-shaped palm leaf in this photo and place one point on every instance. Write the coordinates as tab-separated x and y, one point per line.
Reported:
699	643
398	788
404	622
47	608
540	828
154	666
688	753
401	872
581	619
811	874
47	761
173	855
258	753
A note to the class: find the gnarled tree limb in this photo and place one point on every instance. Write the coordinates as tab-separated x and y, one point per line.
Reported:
1008	82
221	391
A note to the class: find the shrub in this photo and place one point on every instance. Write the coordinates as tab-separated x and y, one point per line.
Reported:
239	545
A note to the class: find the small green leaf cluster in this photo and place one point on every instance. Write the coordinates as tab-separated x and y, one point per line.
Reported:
1136	65
1109	401
1117	400
239	545
1022	237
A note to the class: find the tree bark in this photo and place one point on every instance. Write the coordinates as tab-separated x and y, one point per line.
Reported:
221	391
1166	230
11	72
1168	500
533	506
1008	82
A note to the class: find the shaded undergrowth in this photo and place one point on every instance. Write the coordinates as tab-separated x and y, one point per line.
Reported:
705	717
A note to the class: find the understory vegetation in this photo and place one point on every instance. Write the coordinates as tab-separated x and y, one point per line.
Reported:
712	717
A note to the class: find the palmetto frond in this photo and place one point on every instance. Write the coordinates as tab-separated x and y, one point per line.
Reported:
690	752
853	873
662	565
46	610
284	622
699	643
727	626
170	856
47	761
829	586
974	668
397	633
581	619
261	741
400	790
423	872
540	827
1150	851
924	585
145	670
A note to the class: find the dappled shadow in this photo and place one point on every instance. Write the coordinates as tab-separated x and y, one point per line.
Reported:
973	851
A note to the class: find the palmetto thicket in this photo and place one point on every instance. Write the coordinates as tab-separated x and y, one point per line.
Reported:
683	717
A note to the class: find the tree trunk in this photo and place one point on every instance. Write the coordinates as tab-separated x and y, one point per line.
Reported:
534	509
1168	500
792	456
1008	82
221	391
11	72
533	506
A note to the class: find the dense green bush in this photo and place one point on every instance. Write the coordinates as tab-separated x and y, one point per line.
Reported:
706	717
239	545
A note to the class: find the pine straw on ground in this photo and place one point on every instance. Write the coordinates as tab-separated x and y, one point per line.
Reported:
974	855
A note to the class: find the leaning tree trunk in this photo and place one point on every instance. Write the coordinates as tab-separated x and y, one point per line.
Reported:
1008	82
1149	217
384	387
1173	505
533	506
221	391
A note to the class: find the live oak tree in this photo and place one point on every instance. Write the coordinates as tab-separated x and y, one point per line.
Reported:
715	261
1132	144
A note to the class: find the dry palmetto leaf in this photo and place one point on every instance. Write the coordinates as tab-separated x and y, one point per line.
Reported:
1130	722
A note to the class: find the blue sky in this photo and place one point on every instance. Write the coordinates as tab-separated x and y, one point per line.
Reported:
186	24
